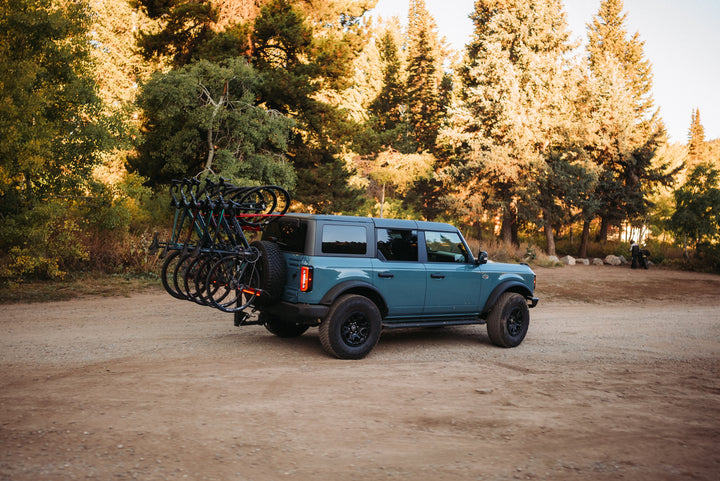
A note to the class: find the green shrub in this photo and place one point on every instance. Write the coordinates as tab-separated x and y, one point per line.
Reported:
41	243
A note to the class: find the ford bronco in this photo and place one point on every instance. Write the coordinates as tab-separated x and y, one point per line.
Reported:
355	276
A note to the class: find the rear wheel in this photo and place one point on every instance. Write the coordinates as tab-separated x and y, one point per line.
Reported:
351	328
281	327
509	320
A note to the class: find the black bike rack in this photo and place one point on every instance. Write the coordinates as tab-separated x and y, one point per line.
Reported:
208	258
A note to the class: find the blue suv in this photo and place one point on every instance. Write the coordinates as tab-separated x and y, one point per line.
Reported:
355	276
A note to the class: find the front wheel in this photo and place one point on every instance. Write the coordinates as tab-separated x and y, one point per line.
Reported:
351	328
509	320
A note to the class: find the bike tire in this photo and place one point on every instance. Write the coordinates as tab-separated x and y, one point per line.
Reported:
167	274
231	283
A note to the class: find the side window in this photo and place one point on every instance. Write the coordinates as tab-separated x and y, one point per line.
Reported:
445	247
344	239
397	244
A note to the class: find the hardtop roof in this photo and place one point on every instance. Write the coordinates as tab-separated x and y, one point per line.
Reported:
378	222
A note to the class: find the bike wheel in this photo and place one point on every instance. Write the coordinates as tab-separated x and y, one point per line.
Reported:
180	273
195	278
168	272
232	283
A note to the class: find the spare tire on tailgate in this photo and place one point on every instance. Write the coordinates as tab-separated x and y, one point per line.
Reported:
271	265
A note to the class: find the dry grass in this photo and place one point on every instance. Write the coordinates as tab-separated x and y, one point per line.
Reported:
80	285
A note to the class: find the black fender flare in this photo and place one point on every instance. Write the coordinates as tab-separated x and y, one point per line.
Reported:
359	287
509	285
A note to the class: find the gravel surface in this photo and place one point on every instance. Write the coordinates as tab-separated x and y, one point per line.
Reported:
617	379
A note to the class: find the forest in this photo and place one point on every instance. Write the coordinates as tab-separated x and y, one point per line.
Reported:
532	145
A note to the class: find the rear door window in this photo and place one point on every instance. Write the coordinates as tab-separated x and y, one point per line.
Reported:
397	245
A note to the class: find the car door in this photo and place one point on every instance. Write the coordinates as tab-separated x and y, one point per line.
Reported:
397	273
453	281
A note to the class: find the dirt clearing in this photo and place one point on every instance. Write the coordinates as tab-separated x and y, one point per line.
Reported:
618	378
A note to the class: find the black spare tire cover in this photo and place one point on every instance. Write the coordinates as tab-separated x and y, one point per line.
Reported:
272	273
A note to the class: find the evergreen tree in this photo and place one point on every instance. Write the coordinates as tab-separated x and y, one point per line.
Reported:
397	171
628	141
607	36
302	51
119	68
424	76
185	26
390	125
696	141
203	118
697	207
508	119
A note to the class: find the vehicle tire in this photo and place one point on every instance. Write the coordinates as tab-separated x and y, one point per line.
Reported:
509	320
271	266
351	328
281	327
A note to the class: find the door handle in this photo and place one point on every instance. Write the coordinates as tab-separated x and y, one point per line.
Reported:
386	275
437	276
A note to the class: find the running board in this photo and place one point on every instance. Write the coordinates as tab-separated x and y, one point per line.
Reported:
431	323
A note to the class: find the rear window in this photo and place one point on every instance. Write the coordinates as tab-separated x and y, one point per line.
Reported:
344	239
289	234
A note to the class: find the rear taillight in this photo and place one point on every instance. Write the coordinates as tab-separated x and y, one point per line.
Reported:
306	278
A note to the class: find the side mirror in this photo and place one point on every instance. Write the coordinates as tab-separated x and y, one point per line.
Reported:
482	258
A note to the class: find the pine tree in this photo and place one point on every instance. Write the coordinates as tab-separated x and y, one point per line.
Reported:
696	141
507	123
424	76
186	26
608	37
119	67
628	173
203	118
697	207
389	106
303	53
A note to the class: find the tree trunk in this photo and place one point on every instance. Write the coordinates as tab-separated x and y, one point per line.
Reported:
217	106
604	228
585	239
506	231
549	236
211	150
382	201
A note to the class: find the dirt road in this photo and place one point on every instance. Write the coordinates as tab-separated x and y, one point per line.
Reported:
618	378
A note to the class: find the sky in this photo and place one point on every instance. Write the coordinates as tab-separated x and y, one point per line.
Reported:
682	41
